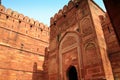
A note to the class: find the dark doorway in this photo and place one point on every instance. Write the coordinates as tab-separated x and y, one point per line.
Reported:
72	73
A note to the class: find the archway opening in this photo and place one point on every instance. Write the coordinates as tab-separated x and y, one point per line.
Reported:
72	73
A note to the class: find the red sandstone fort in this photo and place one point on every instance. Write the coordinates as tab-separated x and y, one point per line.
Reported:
80	44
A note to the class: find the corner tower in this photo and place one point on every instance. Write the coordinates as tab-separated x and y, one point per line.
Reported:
77	44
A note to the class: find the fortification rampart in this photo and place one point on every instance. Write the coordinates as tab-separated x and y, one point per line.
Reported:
22	44
62	12
23	24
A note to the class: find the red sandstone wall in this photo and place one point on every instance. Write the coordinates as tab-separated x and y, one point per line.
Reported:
110	37
96	12
22	44
83	20
112	45
112	7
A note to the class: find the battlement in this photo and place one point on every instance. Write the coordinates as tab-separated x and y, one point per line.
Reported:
25	39
62	12
15	15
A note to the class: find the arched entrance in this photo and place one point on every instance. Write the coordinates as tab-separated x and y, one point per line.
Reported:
72	73
70	54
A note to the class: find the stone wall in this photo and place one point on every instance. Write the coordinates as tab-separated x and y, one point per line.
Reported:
22	44
96	11
77	39
113	11
113	47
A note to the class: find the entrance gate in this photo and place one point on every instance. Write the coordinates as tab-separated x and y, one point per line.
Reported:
72	73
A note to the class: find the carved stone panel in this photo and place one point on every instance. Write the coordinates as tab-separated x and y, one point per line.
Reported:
92	62
68	41
86	26
69	53
91	56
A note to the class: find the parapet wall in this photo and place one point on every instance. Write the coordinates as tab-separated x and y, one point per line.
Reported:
22	43
12	19
62	12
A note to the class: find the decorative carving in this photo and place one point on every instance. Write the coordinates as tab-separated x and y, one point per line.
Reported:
79	13
66	24
71	20
68	41
86	26
91	56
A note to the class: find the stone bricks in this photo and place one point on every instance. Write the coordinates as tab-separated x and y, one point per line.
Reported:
81	37
22	44
77	39
113	47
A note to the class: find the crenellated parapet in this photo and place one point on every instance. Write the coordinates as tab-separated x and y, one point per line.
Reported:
62	12
28	26
71	13
25	39
20	17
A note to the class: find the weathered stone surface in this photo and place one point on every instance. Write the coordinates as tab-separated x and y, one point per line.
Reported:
22	45
113	46
77	39
81	37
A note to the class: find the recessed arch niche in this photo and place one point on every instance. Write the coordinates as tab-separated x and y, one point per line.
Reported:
69	53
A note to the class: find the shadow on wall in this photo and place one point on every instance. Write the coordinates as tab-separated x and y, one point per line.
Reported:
37	74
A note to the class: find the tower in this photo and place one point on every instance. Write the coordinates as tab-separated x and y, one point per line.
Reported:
77	44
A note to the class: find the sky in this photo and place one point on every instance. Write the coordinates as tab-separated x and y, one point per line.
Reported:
41	10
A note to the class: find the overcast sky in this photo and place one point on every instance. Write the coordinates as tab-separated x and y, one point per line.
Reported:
40	10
